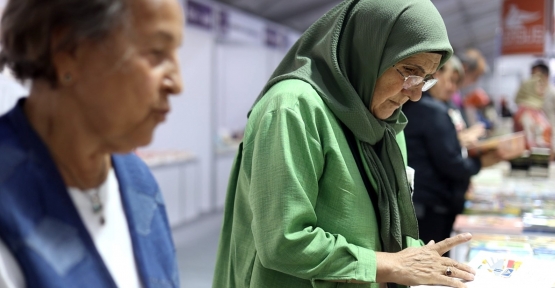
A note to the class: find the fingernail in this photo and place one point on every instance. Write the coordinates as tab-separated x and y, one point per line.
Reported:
467	235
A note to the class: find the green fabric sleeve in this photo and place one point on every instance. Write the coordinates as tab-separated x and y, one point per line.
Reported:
411	242
287	162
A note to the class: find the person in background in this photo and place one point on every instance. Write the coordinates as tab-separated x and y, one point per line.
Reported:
319	192
442	173
530	116
475	66
541	68
76	208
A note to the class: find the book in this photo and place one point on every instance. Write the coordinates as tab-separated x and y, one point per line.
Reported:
509	146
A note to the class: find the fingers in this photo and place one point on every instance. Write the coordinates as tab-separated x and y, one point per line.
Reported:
432	242
452	282
455	274
449	243
461	271
464	267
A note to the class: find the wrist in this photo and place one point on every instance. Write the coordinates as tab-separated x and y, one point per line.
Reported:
385	267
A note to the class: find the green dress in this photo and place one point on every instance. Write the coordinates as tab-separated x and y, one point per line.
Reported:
297	210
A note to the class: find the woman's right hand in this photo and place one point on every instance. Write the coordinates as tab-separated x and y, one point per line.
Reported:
471	136
425	265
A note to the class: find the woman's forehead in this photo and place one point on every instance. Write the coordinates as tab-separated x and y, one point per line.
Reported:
426	62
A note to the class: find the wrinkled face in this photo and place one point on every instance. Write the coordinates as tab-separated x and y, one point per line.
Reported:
389	93
122	83
447	83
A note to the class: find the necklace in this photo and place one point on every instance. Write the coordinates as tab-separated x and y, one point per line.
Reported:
93	194
96	203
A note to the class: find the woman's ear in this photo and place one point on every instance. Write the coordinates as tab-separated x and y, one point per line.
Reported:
64	58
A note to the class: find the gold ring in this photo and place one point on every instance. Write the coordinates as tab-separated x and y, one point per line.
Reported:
448	272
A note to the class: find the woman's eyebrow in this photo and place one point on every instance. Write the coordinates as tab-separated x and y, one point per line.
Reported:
421	69
417	66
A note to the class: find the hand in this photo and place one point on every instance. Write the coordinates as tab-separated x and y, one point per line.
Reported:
424	265
471	135
490	158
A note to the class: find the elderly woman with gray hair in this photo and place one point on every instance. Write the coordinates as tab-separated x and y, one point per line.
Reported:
76	209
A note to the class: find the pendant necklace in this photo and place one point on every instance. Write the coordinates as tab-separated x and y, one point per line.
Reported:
93	194
96	203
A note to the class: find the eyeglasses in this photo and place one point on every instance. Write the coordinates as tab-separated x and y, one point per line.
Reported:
413	80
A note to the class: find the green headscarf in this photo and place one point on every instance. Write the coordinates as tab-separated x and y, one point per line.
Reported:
342	55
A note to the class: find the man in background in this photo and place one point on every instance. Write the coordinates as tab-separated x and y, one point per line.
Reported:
474	65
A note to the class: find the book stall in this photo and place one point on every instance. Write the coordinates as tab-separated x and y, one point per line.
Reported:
511	214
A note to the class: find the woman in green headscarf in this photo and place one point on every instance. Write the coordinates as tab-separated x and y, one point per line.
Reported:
318	195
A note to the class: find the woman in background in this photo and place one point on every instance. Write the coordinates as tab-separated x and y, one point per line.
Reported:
76	208
318	195
530	116
442	173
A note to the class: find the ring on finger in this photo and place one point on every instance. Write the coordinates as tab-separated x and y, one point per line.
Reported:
448	271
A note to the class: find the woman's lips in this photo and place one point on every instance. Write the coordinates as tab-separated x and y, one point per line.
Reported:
395	103
161	114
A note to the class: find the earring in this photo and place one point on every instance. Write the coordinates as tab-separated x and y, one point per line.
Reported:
67	77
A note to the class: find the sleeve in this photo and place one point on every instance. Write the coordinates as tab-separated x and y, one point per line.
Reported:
445	150
411	242
286	165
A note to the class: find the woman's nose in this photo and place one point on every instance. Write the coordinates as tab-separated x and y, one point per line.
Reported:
414	93
172	83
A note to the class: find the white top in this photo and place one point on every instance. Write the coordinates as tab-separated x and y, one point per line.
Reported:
112	240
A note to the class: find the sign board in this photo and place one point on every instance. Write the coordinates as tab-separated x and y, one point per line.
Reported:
523	25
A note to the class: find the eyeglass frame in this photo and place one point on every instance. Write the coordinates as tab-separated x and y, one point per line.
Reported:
419	80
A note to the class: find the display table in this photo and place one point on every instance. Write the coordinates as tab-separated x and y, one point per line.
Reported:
505	270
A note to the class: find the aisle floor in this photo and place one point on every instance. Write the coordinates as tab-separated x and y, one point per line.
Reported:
196	245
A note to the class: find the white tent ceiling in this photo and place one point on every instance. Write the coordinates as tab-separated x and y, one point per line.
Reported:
470	23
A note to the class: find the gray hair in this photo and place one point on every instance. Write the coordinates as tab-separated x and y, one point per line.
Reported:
28	26
457	65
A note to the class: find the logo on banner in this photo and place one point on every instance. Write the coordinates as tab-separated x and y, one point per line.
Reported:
523	27
518	18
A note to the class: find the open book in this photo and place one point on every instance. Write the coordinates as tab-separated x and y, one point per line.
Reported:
509	146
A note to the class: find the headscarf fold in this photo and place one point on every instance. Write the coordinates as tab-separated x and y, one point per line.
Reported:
342	55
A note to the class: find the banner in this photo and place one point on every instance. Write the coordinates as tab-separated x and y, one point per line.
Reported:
240	28
199	14
276	38
523	24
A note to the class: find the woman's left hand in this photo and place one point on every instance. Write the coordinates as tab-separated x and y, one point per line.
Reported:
425	265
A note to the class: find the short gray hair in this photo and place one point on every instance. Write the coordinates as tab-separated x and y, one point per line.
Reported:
28	25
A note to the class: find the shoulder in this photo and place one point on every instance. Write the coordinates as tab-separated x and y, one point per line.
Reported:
293	101
12	151
293	94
